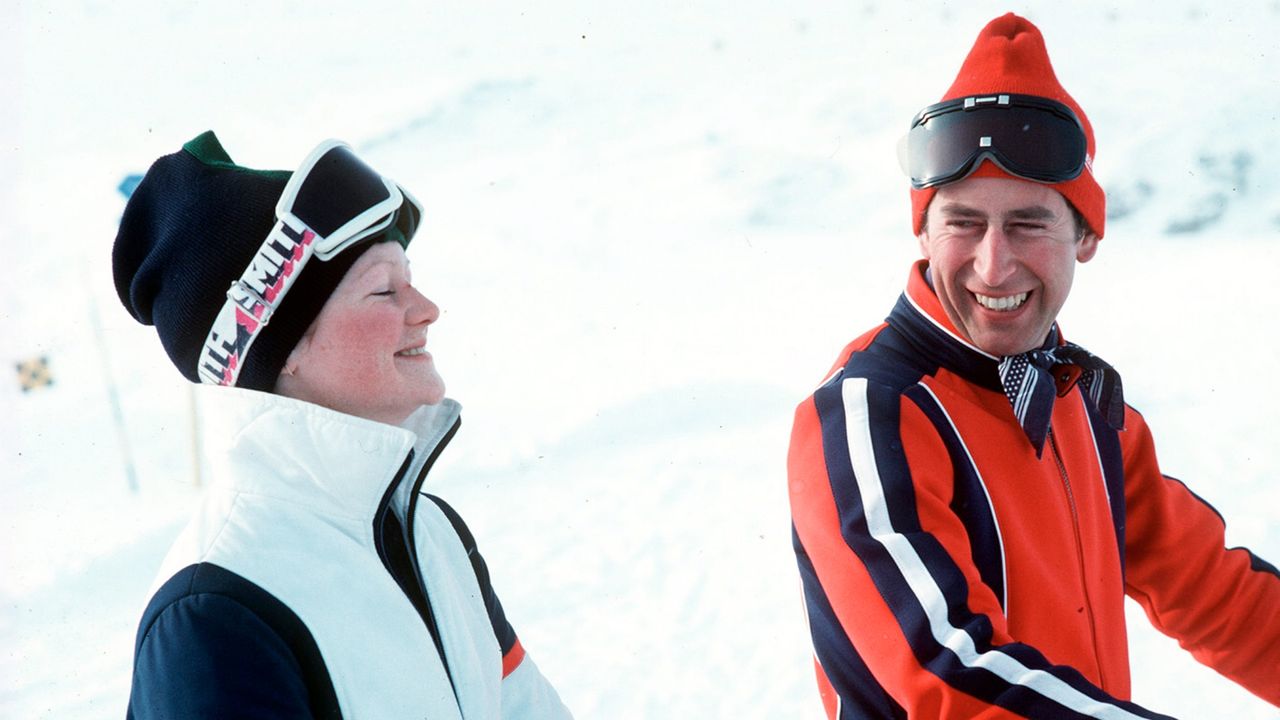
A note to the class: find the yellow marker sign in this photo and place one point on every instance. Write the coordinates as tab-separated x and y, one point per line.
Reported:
34	373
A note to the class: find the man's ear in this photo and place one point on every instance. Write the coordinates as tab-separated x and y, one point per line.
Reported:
923	240
1087	248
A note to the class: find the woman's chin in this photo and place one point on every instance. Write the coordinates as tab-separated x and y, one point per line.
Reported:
431	393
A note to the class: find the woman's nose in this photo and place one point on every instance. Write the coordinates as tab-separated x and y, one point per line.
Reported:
421	310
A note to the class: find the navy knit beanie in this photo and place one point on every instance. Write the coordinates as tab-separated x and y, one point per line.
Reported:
190	229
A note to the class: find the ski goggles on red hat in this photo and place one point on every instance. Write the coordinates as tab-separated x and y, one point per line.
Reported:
332	202
1027	136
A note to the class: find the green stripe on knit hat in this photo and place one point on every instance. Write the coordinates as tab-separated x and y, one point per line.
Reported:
206	148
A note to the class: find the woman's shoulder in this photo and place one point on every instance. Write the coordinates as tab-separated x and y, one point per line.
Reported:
207	599
211	638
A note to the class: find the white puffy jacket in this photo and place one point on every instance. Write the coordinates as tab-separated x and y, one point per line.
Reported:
316	580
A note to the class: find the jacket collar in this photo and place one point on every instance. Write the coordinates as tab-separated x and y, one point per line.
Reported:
920	318
271	445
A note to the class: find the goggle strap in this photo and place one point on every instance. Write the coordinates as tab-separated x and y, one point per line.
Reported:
252	300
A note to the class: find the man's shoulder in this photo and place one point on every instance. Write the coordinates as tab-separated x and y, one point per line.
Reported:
882	356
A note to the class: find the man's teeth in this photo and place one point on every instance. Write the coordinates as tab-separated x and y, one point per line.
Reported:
1009	302
415	351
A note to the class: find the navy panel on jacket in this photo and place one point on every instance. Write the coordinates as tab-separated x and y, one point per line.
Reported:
1111	456
969	501
502	629
861	695
213	644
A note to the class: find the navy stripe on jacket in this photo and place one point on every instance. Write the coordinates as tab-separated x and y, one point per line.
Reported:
861	695
502	629
213	644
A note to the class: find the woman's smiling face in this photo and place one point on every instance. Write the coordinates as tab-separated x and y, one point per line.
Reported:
365	353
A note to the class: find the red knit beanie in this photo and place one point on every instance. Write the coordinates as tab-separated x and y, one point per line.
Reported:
1009	57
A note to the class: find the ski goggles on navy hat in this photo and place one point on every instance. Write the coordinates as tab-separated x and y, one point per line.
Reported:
331	203
212	253
1029	137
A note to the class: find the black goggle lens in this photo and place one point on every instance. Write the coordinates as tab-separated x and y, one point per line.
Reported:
1032	138
338	187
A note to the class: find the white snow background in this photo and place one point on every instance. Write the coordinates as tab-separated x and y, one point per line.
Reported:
651	228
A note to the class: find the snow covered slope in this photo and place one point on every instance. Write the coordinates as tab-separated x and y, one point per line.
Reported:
651	228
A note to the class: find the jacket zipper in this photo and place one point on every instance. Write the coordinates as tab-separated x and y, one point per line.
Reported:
1080	560
425	612
412	547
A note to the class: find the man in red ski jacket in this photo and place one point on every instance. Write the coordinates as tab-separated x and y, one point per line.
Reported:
971	497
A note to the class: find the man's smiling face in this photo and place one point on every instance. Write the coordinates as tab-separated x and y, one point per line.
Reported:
1002	254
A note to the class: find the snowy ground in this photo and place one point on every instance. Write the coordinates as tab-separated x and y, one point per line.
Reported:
650	231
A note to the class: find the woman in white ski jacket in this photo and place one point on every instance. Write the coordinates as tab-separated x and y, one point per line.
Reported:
315	579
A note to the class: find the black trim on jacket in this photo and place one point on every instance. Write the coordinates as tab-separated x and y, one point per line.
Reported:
213	644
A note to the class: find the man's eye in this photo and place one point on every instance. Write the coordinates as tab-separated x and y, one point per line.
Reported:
384	293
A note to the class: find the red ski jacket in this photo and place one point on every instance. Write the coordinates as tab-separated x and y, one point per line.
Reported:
950	572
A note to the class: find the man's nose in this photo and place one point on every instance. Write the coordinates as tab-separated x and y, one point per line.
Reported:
993	259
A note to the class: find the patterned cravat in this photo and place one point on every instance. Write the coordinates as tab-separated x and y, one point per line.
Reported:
1029	383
